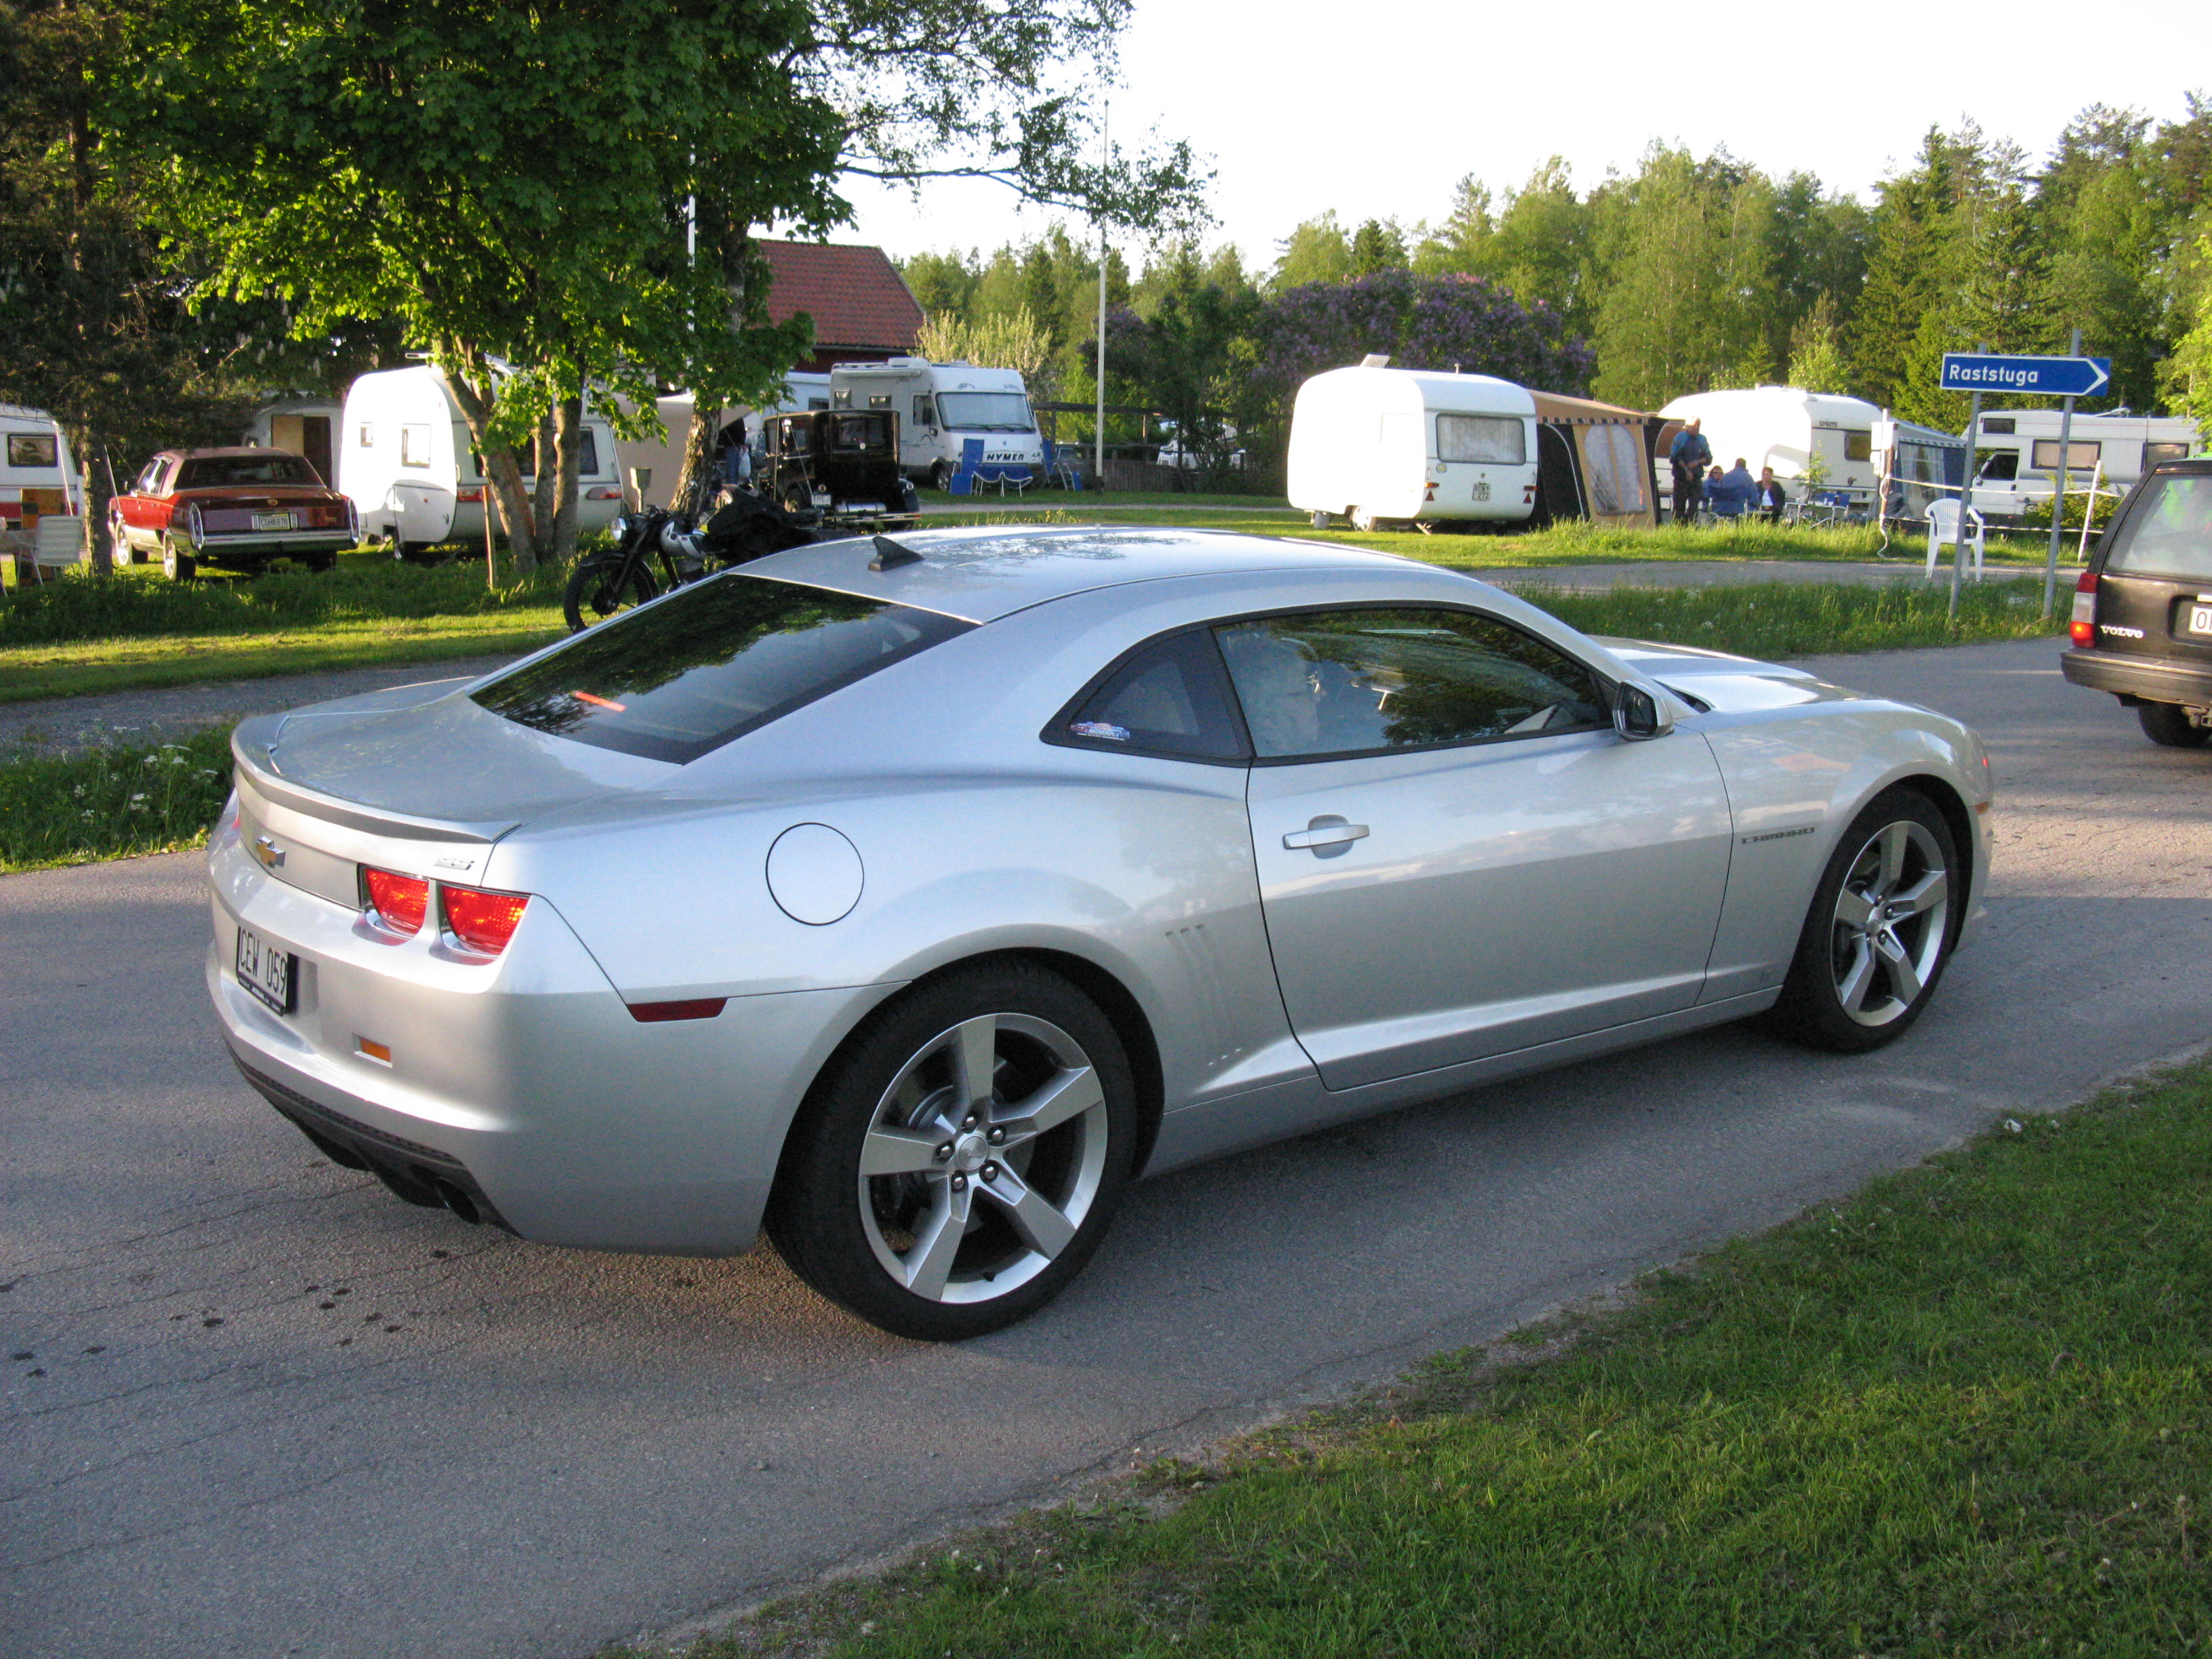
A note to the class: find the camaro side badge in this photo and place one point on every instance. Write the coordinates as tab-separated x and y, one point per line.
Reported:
454	864
266	849
1776	834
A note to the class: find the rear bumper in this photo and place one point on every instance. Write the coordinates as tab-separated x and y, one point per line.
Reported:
521	1089
2142	680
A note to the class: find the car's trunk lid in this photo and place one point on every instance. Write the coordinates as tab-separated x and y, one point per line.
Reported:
420	780
2154	591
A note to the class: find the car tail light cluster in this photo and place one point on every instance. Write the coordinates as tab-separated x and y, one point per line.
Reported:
479	919
472	492
2083	628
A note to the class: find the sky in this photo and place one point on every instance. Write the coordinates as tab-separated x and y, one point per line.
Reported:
1378	111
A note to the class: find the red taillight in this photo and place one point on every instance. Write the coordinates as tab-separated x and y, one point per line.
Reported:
472	494
603	493
400	902
2083	628
482	920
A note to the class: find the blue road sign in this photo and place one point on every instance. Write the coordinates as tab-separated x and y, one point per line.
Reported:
2041	377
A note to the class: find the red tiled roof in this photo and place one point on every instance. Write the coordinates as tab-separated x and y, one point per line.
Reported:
855	294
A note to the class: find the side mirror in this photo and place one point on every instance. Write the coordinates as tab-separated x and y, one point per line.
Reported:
1637	714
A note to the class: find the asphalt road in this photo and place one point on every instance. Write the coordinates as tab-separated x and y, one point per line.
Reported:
254	1406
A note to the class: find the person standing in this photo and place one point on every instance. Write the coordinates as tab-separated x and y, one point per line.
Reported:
1689	455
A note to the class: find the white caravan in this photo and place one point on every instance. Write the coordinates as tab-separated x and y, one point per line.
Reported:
940	407
1397	446
2016	455
35	456
1797	433
305	426
407	458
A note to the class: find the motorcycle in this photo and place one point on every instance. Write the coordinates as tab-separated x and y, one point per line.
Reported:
746	526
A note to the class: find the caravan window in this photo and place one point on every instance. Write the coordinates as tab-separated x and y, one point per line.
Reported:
39	449
1996	426
1999	465
2082	456
921	415
1858	446
985	411
2153	453
414	446
1500	439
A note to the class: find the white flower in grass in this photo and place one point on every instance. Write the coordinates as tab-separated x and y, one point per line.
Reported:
80	791
138	803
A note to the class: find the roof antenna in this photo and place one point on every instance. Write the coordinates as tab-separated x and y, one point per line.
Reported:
889	555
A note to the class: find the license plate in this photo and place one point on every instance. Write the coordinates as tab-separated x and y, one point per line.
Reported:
2200	618
266	971
272	521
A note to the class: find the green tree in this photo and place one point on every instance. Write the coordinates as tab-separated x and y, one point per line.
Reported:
1816	351
1377	245
1000	341
1461	246
1315	251
1688	302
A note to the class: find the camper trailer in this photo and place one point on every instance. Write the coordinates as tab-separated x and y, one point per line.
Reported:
1382	445
1802	435
2016	455
942	407
304	426
406	457
37	473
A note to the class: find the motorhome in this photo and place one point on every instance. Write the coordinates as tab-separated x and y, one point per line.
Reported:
1817	442
942	407
2016	455
1381	446
305	426
36	468
407	460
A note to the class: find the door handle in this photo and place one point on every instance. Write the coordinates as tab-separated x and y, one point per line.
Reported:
1325	832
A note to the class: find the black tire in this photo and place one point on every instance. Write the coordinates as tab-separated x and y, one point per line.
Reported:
940	476
597	589
321	563
935	1249
797	498
2167	725
1856	985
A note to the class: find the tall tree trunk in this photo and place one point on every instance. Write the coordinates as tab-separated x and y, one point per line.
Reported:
502	473
698	456
92	456
544	498
568	439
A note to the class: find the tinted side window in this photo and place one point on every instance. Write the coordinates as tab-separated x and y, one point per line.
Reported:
1351	682
1169	699
2169	533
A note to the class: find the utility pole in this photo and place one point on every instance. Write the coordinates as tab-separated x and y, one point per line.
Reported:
1098	431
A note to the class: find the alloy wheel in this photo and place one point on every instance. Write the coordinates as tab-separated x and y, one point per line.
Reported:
984	1158
1890	923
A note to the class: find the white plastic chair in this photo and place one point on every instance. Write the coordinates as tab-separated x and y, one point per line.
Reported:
1943	531
60	540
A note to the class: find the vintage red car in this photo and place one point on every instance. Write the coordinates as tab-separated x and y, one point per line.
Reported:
240	507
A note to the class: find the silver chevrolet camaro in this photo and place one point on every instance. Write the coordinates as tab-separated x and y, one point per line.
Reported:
911	898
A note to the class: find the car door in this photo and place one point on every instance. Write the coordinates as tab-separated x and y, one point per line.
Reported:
1458	855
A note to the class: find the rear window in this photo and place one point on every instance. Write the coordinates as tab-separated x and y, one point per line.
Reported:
2169	534
1500	439
707	664
271	466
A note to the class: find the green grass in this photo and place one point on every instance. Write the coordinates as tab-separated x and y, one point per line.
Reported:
1802	619
114	802
1965	1412
82	634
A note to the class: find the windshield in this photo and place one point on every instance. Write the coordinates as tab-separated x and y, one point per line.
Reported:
2169	534
709	663
271	466
985	411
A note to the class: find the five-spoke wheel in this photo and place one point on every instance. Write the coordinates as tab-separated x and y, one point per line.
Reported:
1880	928
962	1158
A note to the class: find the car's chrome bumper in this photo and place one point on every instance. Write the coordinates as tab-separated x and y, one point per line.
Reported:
524	1084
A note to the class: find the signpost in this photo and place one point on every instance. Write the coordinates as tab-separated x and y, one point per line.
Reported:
2034	377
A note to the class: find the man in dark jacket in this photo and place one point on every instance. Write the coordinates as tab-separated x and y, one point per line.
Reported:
1690	454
